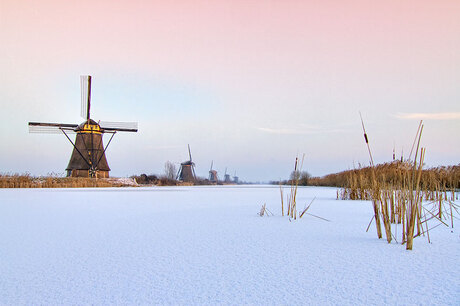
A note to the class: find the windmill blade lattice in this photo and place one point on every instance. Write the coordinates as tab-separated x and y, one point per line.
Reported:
51	128
85	81
119	126
189	153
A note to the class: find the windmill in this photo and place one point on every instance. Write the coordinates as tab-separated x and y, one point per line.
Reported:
187	170
88	157
235	178
227	178
213	175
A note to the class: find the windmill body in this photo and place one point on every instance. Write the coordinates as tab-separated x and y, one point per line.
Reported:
88	154
187	170
88	158
213	175
227	178
235	179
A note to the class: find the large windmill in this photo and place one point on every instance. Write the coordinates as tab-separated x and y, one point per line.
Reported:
88	157
187	169
213	174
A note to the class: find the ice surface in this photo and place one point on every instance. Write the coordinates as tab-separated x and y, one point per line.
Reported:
207	245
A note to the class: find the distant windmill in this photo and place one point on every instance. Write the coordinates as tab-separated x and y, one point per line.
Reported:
213	175
187	169
235	178
227	178
88	157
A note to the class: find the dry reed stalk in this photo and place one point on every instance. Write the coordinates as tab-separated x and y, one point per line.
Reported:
297	178
291	199
288	201
434	216
415	199
385	218
305	210
420	126
376	195
292	196
370	222
393	206
375	190
262	210
318	217
282	202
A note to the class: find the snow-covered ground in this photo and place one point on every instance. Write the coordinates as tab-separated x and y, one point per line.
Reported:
207	245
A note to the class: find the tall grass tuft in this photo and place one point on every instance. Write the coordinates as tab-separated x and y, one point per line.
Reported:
291	198
404	194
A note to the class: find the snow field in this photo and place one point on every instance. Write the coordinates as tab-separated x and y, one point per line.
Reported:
207	245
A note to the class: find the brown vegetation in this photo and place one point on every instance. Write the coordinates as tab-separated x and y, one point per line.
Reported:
28	181
403	193
392	174
407	195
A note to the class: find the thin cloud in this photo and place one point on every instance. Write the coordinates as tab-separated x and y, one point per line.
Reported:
283	131
304	130
429	116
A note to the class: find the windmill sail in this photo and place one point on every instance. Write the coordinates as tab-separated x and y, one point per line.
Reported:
51	128
85	81
119	126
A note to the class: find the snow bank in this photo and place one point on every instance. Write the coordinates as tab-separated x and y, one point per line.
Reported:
207	245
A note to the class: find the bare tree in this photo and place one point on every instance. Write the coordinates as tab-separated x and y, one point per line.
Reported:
170	170
302	177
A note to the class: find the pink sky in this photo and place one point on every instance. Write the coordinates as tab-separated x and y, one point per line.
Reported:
306	66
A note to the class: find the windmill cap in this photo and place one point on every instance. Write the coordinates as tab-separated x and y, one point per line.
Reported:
89	121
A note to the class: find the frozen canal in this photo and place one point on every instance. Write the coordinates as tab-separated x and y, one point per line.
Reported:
207	245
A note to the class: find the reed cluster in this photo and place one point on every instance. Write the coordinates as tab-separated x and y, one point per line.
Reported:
408	199
291	203
291	198
442	177
28	181
434	182
403	194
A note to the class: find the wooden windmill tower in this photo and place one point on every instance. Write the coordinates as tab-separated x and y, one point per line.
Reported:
88	157
227	178
187	170
213	175
235	179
